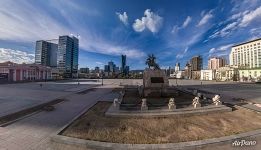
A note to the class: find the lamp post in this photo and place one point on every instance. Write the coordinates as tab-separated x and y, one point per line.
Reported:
78	74
102	78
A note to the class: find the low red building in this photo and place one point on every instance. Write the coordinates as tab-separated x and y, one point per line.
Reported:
24	72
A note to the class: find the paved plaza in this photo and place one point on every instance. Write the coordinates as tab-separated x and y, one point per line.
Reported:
16	97
34	132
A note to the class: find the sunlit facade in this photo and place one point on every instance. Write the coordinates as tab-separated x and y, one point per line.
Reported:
246	55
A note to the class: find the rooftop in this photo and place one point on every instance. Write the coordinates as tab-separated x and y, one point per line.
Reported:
247	42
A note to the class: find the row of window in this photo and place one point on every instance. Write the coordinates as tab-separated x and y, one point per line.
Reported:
247	46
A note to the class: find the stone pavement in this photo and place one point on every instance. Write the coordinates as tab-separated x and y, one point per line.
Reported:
16	97
33	133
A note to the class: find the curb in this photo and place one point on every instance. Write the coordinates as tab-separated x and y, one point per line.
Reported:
182	145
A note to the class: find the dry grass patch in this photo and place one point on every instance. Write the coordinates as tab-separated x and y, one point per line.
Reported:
93	125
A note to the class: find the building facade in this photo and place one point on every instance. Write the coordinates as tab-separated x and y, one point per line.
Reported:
85	70
227	73
187	71
246	55
24	72
67	56
215	63
208	74
196	63
46	53
249	75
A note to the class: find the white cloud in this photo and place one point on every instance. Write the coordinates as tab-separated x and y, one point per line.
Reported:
181	55
212	50
150	21
175	29
123	17
99	63
15	56
225	31
18	23
221	49
249	17
241	19
238	15
206	17
184	25
186	22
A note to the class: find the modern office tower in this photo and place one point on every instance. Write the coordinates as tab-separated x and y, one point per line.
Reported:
97	70
85	70
127	70
67	56
246	54
111	66
46	53
214	63
106	68
196	63
177	67
123	64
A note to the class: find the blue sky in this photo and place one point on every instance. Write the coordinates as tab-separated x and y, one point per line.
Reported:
173	30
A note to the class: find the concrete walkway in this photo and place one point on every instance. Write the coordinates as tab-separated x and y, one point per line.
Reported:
35	131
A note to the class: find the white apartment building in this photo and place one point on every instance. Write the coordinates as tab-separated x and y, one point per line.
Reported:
246	55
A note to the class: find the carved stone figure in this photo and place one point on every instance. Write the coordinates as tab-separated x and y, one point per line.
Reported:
116	102
172	104
144	105
216	100
195	102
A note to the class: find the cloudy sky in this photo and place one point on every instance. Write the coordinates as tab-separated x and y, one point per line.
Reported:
172	30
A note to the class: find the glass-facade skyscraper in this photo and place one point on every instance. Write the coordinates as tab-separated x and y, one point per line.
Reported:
46	53
123	64
67	56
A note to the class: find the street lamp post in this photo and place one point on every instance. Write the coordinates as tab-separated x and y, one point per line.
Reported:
102	79
78	75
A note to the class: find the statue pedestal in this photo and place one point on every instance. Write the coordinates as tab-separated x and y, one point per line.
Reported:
155	81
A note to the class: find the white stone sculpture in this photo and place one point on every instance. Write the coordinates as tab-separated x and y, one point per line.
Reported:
216	100
172	104
195	102
144	105
116	102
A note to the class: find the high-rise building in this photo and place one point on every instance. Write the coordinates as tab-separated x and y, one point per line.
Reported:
214	63
97	70
67	56
123	64
106	68
196	63
247	54
46	53
85	70
111	66
127	69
